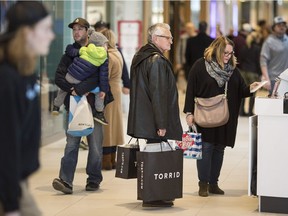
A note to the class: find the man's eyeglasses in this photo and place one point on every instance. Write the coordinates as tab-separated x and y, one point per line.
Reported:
164	36
228	53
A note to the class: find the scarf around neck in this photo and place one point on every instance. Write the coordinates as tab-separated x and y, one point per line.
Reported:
221	76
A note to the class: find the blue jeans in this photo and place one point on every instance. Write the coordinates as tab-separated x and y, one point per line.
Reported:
94	161
210	165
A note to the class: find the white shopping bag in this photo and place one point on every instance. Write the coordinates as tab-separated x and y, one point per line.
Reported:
81	121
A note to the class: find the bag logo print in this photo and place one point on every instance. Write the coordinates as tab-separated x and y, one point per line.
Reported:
170	175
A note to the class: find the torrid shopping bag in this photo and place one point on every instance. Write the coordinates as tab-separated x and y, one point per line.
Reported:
126	163
159	175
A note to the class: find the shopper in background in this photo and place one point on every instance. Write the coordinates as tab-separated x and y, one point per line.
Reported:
154	110
274	53
69	161
110	142
181	47
113	133
28	35
251	64
196	45
207	78
99	26
240	52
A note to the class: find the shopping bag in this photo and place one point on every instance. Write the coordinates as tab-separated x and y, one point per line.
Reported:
191	144
159	175
80	120
155	147
126	163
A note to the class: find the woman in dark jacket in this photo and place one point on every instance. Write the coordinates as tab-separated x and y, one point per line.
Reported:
28	35
207	78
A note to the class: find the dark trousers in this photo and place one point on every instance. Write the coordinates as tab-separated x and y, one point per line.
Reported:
210	165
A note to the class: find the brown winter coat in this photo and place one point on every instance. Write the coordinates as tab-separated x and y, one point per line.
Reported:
113	132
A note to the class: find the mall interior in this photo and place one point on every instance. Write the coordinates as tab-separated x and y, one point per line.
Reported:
130	20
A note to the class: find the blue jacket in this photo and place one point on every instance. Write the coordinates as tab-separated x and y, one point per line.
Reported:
81	69
81	88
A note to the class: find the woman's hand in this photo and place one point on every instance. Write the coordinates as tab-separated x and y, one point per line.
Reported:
254	85
190	119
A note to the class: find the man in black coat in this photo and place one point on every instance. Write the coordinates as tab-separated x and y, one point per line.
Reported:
154	110
195	46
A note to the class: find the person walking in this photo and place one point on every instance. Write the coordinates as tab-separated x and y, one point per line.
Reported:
153	109
181	47
28	35
274	53
207	79
195	46
241	53
113	133
69	161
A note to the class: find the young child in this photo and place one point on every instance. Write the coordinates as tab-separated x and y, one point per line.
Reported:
92	59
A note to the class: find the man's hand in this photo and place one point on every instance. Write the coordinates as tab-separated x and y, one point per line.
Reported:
161	132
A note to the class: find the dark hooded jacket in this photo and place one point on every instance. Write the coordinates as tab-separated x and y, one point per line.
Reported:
153	96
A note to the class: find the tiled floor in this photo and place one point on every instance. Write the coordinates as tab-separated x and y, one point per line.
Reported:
118	196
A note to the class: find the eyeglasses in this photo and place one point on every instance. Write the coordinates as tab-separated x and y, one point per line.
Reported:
228	53
164	36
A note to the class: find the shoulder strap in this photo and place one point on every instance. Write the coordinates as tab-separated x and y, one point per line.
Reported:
226	88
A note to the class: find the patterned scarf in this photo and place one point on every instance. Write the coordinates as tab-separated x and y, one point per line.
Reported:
221	76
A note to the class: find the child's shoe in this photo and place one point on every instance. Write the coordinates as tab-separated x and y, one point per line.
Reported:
99	117
55	110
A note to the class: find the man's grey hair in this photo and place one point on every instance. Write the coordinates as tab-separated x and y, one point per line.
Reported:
157	29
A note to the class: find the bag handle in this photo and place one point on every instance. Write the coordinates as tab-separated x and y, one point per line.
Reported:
137	141
192	128
132	145
226	88
167	143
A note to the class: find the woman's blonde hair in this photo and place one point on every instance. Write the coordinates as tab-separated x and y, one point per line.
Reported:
109	34
216	51
16	52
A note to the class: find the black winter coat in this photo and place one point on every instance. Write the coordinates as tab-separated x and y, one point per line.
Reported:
201	84
20	132
153	96
195	48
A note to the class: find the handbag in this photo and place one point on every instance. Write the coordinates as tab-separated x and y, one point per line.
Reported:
191	144
80	117
126	163
159	175
212	112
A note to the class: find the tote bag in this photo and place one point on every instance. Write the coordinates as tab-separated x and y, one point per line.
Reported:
159	175
191	144
80	118
126	163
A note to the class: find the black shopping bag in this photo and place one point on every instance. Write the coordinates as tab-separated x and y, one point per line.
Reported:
159	175
126	163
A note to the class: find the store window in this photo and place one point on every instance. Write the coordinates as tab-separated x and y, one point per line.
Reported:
157	11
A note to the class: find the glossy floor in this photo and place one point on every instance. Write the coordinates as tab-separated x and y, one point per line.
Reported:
117	197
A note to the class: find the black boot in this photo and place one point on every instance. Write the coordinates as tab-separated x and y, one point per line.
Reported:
203	189
214	189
